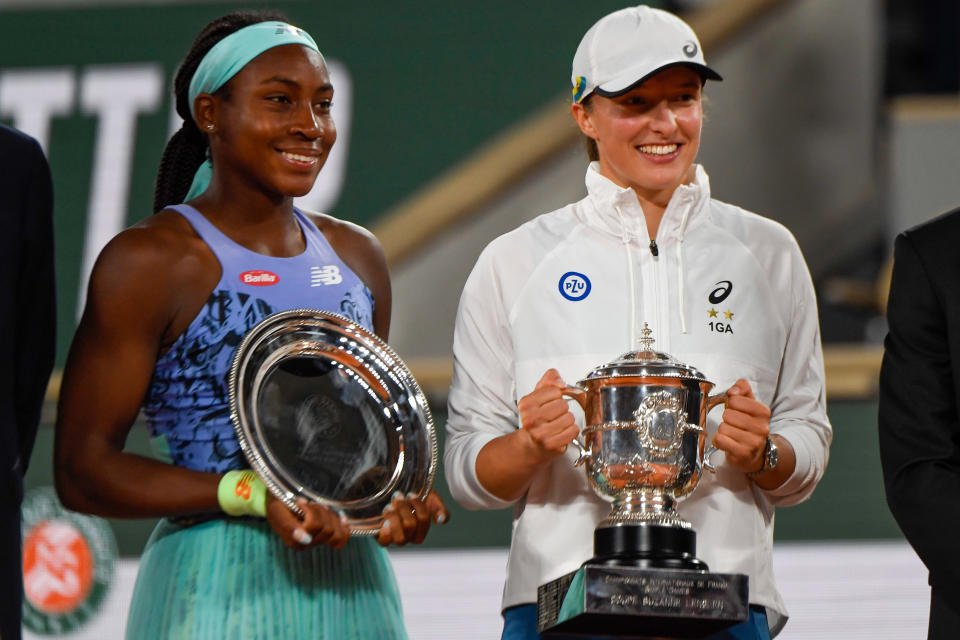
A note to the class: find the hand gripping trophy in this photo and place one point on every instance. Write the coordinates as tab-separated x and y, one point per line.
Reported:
644	450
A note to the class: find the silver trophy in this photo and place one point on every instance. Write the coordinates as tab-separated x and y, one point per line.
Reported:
644	449
325	410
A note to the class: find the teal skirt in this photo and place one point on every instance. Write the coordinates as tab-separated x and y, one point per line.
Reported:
236	579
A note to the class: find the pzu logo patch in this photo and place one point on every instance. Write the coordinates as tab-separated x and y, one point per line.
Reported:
574	286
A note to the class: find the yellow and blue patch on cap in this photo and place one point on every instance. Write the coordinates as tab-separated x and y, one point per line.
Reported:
578	88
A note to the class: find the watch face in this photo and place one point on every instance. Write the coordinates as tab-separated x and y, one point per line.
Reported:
773	456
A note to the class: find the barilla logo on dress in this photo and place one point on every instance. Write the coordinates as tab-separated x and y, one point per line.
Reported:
258	278
67	564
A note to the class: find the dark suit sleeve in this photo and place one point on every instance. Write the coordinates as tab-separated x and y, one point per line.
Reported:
919	429
35	306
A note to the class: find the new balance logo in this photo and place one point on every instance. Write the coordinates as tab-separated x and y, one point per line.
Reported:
329	274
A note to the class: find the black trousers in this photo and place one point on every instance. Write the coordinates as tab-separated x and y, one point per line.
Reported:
11	573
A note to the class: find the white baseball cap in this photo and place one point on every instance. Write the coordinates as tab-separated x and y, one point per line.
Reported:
628	46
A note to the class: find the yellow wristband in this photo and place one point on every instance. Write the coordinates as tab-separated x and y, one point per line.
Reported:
242	493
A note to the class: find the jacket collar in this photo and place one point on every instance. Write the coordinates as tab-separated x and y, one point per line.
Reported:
606	201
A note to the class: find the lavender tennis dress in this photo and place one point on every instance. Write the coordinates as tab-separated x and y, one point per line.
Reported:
229	578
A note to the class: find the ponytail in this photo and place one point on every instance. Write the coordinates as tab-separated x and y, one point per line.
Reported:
181	158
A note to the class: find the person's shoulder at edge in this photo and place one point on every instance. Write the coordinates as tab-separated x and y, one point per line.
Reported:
545	229
749	225
11	136
351	233
159	253
356	245
943	229
771	244
22	155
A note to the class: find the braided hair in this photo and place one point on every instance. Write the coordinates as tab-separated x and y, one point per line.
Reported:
188	147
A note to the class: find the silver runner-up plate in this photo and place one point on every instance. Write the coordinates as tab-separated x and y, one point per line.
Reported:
326	410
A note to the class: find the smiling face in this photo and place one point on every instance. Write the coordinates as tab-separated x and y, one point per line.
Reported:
648	138
272	126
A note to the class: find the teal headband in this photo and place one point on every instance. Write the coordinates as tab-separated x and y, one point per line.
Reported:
226	58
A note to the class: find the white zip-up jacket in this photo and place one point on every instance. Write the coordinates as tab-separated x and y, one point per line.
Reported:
728	293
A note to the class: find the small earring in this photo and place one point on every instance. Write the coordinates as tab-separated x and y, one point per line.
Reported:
210	128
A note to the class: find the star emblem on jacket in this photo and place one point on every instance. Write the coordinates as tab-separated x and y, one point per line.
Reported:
723	322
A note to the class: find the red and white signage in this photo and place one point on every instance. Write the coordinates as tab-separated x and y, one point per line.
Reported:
259	278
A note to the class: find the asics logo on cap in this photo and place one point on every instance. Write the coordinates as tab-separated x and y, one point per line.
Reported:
626	47
327	274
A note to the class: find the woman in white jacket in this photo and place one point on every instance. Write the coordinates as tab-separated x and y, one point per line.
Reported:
723	289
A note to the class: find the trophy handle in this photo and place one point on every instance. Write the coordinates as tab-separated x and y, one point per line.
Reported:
712	401
580	396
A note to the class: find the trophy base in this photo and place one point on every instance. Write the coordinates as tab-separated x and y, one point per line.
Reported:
648	546
630	602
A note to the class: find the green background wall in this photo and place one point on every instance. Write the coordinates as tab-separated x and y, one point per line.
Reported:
432	81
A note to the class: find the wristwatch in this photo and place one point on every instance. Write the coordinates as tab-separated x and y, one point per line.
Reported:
770	458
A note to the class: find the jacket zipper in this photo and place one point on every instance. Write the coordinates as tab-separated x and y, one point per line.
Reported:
652	307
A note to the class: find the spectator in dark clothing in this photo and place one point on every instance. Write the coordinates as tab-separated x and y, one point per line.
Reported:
27	341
